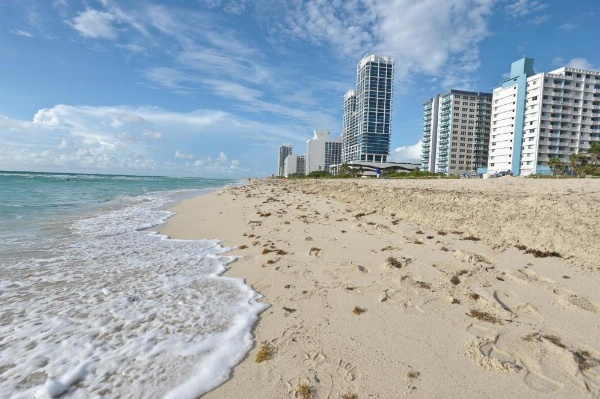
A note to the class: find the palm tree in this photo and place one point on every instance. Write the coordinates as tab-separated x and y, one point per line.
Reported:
575	161
594	152
556	165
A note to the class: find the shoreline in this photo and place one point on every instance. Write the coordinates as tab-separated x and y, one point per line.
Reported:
443	315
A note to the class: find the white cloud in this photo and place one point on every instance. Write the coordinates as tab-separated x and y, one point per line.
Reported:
19	32
152	134
123	140
540	19
95	24
567	26
521	8
410	153
423	36
181	155
581	63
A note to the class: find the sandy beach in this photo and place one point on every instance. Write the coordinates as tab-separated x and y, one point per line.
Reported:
413	288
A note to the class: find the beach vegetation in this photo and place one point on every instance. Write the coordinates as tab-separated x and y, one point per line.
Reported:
442	233
430	238
264	353
455	280
470	238
455	301
243	246
445	249
393	262
389	247
474	296
418	242
419	232
304	391
585	360
520	247
555	340
358	311
413	374
264	214
418	174
314	250
350	396
556	166
543	254
484	316
424	285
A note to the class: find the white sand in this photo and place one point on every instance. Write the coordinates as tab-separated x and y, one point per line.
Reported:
458	319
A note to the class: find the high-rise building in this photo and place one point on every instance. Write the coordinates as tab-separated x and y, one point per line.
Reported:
284	151
536	117
367	120
294	164
456	131
322	151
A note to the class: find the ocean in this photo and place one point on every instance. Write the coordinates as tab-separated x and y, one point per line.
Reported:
93	303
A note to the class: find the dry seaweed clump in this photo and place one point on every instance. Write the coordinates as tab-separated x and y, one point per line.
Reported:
542	254
471	238
413	374
350	396
397	263
484	316
585	360
264	353
314	250
358	311
304	391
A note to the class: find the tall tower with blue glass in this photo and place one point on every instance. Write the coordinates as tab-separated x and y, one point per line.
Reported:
367	121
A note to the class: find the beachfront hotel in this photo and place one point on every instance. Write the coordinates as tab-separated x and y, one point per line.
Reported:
456	131
294	165
536	117
322	151
367	120
284	151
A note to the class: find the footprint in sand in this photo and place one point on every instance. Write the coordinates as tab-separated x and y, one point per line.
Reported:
541	383
437	305
483	333
511	303
569	299
487	356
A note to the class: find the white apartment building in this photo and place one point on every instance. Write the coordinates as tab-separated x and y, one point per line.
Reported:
285	150
536	117
456	128
322	151
294	164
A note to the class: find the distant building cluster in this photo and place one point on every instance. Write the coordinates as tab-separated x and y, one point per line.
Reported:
527	121
366	129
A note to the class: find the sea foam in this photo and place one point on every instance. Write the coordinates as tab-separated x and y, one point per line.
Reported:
121	312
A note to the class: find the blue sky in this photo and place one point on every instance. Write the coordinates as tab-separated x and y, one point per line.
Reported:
213	87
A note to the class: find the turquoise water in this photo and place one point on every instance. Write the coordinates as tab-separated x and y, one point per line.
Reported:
35	206
94	303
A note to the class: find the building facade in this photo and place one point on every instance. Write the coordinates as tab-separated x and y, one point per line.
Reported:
537	117
367	119
456	131
294	164
322	151
285	150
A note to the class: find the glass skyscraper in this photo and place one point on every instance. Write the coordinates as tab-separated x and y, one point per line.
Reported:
367	120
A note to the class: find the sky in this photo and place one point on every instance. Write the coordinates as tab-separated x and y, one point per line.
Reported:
212	88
